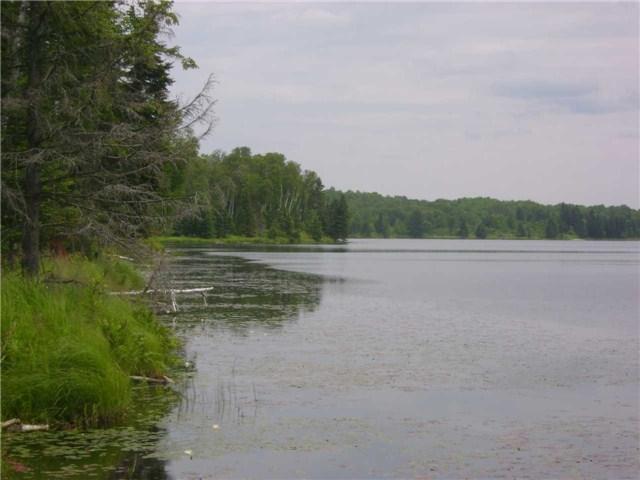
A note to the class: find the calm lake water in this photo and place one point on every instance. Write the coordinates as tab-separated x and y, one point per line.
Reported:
403	358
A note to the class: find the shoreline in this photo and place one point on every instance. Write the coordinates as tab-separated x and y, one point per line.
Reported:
230	241
69	333
162	241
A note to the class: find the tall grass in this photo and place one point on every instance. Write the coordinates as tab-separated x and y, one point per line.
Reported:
104	272
68	348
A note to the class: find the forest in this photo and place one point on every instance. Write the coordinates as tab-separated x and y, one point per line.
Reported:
91	139
376	216
257	196
96	154
266	196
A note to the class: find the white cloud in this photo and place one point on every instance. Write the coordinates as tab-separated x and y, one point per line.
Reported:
511	100
314	17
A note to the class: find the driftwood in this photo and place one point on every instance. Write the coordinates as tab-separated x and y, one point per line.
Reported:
165	291
8	423
174	304
164	380
172	294
33	428
15	425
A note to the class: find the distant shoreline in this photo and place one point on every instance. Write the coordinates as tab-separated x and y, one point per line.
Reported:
241	240
261	240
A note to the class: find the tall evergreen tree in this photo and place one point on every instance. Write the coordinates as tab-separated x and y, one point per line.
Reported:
88	131
338	222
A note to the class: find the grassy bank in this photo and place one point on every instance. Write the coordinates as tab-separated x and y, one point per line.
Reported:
68	347
242	240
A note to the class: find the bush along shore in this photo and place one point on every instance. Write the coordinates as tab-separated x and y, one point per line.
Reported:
233	240
71	349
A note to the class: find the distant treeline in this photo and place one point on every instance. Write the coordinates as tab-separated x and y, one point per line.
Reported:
238	193
375	215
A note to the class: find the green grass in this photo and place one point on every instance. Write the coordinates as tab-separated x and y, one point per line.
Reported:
68	348
241	240
105	272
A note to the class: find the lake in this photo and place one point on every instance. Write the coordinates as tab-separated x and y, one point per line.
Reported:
404	358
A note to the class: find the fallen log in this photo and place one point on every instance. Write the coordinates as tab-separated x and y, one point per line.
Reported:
8	423
190	290
33	428
164	380
164	291
122	257
15	425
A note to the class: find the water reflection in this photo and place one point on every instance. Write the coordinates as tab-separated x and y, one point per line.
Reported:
115	453
225	402
245	295
248	300
140	467
433	359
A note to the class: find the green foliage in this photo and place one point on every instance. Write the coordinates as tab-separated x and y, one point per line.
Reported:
381	227
68	348
551	228
313	225
239	240
415	224
374	215
481	231
91	141
104	272
337	219
247	195
463	231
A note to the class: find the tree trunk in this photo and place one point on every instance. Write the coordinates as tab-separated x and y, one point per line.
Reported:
31	229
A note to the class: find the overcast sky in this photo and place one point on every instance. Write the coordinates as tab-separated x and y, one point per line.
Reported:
429	100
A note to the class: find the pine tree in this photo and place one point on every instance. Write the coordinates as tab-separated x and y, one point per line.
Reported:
88	133
338	221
